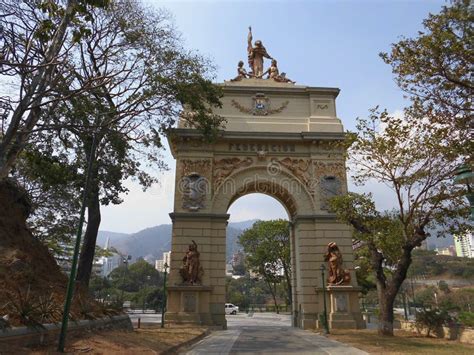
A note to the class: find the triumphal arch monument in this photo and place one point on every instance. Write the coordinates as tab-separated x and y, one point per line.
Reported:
278	140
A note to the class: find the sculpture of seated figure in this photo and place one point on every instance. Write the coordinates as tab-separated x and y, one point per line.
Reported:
274	73
241	72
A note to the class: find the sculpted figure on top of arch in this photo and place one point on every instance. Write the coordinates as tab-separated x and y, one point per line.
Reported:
256	53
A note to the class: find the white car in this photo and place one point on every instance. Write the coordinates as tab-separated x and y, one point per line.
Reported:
231	309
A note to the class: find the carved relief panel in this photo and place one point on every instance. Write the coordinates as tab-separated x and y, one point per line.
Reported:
322	107
194	184
224	167
330	180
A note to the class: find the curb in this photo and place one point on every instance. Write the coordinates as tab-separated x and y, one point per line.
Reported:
174	349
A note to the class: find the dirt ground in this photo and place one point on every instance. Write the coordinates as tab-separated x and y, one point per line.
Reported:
149	340
402	343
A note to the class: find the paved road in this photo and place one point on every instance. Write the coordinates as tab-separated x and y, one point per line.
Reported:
265	333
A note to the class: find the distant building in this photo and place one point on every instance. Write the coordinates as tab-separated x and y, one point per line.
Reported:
464	245
106	264
228	270
160	264
450	250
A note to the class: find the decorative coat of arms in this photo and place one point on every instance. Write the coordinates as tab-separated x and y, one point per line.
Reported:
195	189
261	106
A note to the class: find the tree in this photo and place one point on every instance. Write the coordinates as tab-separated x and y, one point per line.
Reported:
53	188
136	276
34	45
435	69
267	248
417	155
408	158
246	291
151	78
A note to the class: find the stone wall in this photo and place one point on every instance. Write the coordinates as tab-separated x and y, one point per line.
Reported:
24	336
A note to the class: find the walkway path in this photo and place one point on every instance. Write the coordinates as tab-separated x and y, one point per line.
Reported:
267	333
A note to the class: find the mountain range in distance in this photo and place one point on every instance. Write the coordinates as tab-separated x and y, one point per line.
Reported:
151	243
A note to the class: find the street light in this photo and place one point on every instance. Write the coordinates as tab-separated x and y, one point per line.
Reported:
163	305
72	275
125	261
326	324
464	175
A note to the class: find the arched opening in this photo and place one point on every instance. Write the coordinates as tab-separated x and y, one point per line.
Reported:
267	287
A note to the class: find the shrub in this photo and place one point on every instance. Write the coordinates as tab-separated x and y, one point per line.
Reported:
432	319
467	319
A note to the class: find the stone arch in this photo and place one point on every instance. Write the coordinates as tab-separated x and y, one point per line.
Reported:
284	187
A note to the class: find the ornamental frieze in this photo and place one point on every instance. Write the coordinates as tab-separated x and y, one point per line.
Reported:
337	169
201	167
226	166
300	168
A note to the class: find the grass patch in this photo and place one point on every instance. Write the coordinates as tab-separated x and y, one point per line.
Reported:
402	343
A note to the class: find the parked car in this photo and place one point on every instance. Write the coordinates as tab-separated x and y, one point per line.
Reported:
231	308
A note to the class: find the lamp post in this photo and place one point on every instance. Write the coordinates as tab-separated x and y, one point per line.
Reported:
326	324
125	261
163	305
72	275
464	175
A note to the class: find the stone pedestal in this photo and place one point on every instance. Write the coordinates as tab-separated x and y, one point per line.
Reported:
343	307
189	304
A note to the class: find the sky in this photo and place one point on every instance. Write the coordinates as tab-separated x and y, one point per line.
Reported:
317	43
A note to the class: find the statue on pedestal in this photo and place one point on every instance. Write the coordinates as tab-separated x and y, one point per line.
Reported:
337	275
191	271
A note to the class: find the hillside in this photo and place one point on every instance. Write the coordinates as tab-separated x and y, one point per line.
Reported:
151	243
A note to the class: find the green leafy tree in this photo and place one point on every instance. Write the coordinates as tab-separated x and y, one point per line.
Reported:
267	248
365	278
425	297
435	69
135	277
146	78
246	291
409	159
49	180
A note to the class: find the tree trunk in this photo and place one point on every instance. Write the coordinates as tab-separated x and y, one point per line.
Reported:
86	259
273	292
386	314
